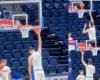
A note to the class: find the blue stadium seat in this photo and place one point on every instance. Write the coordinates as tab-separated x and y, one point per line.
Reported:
48	6
16	54
24	62
9	46
15	63
52	66
55	13
1	47
9	64
49	1
47	14
61	35
54	20
57	6
27	45
3	39
52	28
57	1
7	54
45	54
24	53
11	38
18	45
18	37
1	55
52	63
45	65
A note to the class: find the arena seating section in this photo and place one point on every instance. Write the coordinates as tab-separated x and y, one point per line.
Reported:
75	26
15	49
58	22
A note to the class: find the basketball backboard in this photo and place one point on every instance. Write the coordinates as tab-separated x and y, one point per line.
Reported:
15	12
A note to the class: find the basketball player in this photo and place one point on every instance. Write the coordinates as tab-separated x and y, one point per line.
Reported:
91	30
35	62
5	71
90	69
81	75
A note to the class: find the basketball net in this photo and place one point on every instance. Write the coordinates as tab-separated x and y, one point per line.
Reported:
24	29
80	13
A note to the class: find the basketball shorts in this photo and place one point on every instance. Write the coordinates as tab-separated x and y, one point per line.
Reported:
39	75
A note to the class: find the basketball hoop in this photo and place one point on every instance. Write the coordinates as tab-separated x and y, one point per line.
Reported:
81	10
24	29
80	13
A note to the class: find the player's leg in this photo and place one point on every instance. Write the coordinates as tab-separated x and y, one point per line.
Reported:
36	75
33	77
43	75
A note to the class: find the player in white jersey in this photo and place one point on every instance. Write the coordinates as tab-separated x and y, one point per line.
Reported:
5	71
35	62
91	30
90	69
81	75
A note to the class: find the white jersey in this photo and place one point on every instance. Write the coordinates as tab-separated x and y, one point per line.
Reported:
90	69
5	73
70	38
92	33
80	77
37	61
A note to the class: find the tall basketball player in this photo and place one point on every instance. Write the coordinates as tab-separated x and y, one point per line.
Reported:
35	61
90	69
5	71
91	30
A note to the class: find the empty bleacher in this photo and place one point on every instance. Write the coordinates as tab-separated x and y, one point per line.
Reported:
15	50
76	26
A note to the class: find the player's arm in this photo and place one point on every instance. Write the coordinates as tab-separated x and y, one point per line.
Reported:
84	29
39	42
9	73
82	59
92	20
9	76
30	67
